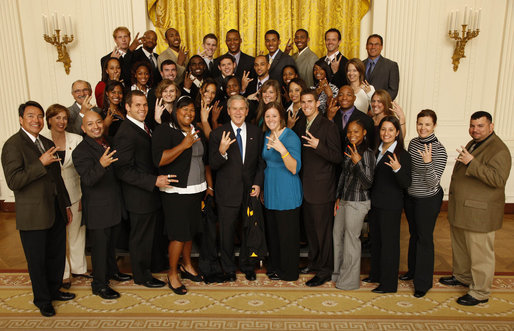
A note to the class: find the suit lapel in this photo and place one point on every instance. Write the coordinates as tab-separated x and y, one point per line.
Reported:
275	60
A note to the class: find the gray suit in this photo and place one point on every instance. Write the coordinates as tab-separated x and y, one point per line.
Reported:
384	76
305	64
75	120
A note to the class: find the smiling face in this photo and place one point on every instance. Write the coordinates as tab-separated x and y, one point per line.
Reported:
294	92
425	126
173	39
237	110
169	94
93	125
138	108
300	40
261	66
233	41
288	74
80	91
269	95
197	66
346	97
373	47
32	120
58	122
226	67
233	87
185	116
210	46
319	73
309	106
142	75
271	41
332	42
355	133
388	133
113	69
115	96
208	94
352	74
149	40
480	128
377	105
169	71
272	119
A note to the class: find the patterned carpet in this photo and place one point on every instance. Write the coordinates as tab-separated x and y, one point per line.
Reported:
259	305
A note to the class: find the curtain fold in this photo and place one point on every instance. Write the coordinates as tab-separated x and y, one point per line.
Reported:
195	18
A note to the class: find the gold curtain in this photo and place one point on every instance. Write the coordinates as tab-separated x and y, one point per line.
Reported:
195	18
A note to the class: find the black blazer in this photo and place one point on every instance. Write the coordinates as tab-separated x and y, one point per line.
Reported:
281	60
126	62
35	186
388	187
245	64
102	205
234	179
165	137
319	165
139	55
135	168
356	115
339	78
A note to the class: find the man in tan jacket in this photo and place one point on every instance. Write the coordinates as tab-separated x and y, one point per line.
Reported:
475	208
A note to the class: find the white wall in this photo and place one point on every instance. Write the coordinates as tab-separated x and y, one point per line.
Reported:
414	32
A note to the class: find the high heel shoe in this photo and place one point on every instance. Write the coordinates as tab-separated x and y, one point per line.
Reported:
187	275
181	290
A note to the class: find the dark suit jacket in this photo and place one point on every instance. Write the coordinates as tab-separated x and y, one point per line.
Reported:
138	56
135	169
388	187
35	186
234	179
281	60
356	115
101	193
319	165
126	62
245	64
339	78
385	76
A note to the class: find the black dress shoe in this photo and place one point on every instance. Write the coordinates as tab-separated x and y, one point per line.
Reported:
468	300
250	275
316	281
120	277
66	285
451	281
106	293
270	272
153	283
82	275
306	270
187	275
229	277
369	280
273	276
213	278
47	310
64	296
380	290
407	276
419	294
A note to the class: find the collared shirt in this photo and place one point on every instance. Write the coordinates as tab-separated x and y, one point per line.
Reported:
374	63
333	56
31	136
264	80
136	122
147	53
237	57
80	108
390	149
303	50
272	58
309	123
243	136
348	113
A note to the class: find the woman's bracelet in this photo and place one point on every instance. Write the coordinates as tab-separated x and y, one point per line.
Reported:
283	156
210	188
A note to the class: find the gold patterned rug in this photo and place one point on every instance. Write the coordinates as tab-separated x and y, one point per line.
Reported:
258	305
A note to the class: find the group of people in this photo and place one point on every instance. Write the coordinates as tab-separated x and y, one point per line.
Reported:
318	142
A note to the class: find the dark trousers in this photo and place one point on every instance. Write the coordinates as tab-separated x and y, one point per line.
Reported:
160	244
103	255
283	239
228	217
422	214
319	223
384	228
142	230
45	251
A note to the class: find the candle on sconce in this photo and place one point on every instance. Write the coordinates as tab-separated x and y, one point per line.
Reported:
70	25
449	21
56	22
63	25
44	24
478	19
456	26
465	16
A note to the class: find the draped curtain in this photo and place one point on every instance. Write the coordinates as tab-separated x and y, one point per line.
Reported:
195	18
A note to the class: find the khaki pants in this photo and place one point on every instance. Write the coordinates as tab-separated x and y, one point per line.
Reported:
76	255
473	260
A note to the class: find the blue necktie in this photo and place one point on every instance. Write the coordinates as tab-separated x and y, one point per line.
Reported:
370	69
239	142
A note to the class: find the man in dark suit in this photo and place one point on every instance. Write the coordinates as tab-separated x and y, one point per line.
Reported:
382	73
146	54
226	66
235	154
140	181
261	67
244	62
346	112
82	93
321	155
276	58
32	172
334	58
123	51
209	44
102	207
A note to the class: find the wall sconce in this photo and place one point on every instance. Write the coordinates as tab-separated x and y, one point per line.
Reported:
472	23
52	28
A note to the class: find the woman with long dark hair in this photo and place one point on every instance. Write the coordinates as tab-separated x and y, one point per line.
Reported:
111	70
113	111
325	90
